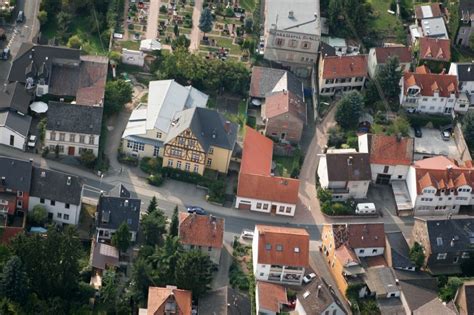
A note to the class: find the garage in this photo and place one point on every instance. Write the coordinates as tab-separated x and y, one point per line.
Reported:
244	206
383	179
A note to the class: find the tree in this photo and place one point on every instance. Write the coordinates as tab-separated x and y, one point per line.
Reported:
248	24
389	77
468	128
349	110
152	206
164	259
348	17
416	255
88	159
180	42
229	11
13	281
8	307
63	21
205	21
141	280
117	94
5	254
43	17
400	126
448	292
74	42
174	225
38	215
122	238
193	272
111	292
324	195
115	56
176	30
153	226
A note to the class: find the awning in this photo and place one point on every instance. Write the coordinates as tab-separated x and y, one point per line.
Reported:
38	229
39	107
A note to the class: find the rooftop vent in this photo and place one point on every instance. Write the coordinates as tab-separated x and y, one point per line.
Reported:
68	182
43	174
350	160
291	14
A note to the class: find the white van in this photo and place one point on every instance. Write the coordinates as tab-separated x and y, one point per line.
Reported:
365	208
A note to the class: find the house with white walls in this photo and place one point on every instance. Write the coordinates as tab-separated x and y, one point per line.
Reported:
378	57
59	193
440	186
280	254
340	74
390	156
345	172
465	74
432	93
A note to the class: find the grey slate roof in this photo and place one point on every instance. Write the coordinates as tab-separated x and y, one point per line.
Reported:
340	170
120	191
264	79
17	174
54	185
224	301
418	288
15	96
207	125
457	234
381	280
15	122
400	251
466	72
118	210
39	59
74	118
316	304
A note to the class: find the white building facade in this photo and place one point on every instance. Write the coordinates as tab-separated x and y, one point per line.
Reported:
265	206
59	212
72	144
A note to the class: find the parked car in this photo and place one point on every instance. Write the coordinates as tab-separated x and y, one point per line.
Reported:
32	141
446	135
5	54
21	17
418	132
309	277
196	210
247	234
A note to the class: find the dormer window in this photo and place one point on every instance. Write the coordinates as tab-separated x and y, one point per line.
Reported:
268	246
279	248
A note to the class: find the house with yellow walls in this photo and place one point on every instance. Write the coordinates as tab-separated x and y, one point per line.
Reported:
149	123
199	138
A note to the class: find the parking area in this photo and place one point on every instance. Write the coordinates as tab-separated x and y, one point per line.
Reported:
431	143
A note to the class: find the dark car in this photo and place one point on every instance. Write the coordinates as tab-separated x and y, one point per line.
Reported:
196	210
21	17
418	132
5	54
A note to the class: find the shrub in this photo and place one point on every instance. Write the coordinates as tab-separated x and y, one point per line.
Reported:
163	9
324	195
422	120
217	191
151	165
229	12
339	208
88	159
155	179
38	216
74	42
45	152
193	178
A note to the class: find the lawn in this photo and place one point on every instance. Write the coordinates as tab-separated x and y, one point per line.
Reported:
226	42
248	5
129	44
385	23
286	165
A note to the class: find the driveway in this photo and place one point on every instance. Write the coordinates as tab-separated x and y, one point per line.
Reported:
152	22
221	277
196	32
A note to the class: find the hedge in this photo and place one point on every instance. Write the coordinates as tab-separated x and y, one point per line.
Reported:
421	120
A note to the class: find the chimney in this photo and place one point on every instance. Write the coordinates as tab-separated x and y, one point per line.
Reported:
43	174
31	161
443	71
349	160
68	182
125	203
284	91
214	134
291	15
5	90
227	126
3	180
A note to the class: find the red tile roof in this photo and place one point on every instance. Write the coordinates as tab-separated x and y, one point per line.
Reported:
431	82
435	11
271	296
346	255
201	230
158	296
422	69
344	67
294	244
391	150
435	49
359	235
284	102
255	180
383	53
442	173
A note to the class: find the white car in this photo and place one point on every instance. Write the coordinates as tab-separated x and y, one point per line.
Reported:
309	277
32	141
247	234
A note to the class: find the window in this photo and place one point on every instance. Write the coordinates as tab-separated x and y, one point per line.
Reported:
82	139
361	251
425	99
72	137
61	148
19	193
170	163
175	152
265	206
279	248
456	259
19	203
67	206
385	169
306	45
400	176
211	150
465	255
359	79
293	43
52	202
209	249
374	251
288	210
156	151
59	215
158	135
178	164
279	41
191	143
91	140
268	246
261	274
187	166
441	256
135	146
192	246
195	157
41	200
329	81
209	162
196	168
259	205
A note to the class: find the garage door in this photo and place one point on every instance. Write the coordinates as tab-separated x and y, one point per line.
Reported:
244	206
383	179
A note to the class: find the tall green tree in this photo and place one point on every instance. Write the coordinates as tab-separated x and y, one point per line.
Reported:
8	307
122	238
468	128
389	78
153	226
174	225
13	281
349	110
141	280
194	272
348	18
111	292
152	206
416	255
164	259
38	215
117	94
5	254
205	21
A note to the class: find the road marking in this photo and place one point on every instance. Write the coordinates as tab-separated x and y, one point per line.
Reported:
15	32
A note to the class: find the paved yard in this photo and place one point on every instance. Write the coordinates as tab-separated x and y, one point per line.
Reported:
221	277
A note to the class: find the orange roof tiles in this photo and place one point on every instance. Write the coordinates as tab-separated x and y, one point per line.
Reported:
435	49
346	255
201	230
383	53
157	297
271	296
445	84
422	69
282	246
284	102
344	67
391	150
255	180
